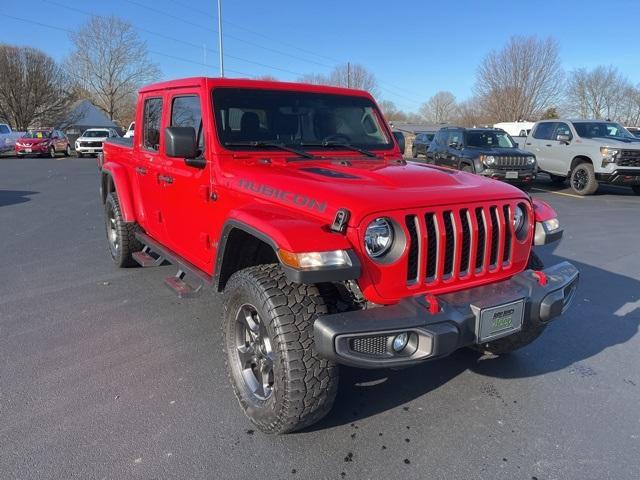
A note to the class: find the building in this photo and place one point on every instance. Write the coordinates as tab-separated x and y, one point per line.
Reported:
84	115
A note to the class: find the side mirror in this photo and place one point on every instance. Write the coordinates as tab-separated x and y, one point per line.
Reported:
399	136
181	142
454	145
563	139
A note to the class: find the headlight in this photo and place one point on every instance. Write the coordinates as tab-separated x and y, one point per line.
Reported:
552	224
488	160
609	155
378	237
518	219
531	160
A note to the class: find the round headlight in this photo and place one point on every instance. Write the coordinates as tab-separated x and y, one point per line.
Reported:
378	237
518	219
531	160
489	160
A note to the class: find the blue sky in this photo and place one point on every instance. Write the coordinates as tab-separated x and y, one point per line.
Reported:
414	47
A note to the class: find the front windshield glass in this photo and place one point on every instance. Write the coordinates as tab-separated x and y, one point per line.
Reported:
489	139
601	130
38	134
295	118
95	134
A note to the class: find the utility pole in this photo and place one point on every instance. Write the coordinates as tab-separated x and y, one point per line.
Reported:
348	74
220	38
204	55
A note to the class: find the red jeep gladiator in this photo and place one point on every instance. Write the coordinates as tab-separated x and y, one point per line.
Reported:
331	249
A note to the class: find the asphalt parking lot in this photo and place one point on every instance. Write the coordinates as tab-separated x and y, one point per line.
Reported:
104	374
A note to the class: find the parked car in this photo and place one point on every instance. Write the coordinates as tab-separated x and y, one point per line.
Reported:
329	247
44	142
635	131
91	141
489	152
421	143
130	131
8	138
588	152
516	129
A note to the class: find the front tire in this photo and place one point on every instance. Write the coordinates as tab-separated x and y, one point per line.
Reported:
583	179
80	154
67	151
280	381
530	331
52	152
120	234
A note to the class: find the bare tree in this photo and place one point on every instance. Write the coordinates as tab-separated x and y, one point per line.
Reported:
349	75
391	112
268	78
631	112
598	93
471	113
440	108
111	62
520	81
34	90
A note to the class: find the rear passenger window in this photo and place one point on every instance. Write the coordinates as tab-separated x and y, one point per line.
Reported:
151	123
185	112
544	131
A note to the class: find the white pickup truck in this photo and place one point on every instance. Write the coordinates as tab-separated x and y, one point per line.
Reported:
8	138
588	152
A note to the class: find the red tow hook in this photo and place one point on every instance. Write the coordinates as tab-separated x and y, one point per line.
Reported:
432	302
541	276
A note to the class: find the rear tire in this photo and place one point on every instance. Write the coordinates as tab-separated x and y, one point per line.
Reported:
120	234
280	381
583	179
530	331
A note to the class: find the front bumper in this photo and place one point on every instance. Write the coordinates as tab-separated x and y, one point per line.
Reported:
524	176
33	150
88	149
363	338
621	176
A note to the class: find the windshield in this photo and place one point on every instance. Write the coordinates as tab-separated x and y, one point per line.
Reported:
601	130
95	134
302	119
489	139
38	134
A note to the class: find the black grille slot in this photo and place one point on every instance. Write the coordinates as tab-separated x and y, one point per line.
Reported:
629	158
466	241
450	244
414	248
370	345
506	253
432	245
482	234
495	236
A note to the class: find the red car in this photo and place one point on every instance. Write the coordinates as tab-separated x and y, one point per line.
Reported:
45	142
331	249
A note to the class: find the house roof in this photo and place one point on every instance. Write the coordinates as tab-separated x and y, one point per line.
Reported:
87	114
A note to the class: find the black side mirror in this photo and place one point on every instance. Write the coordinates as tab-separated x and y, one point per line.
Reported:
399	136
181	142
563	139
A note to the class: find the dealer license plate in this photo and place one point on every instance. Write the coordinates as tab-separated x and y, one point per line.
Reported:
500	321
28	150
512	175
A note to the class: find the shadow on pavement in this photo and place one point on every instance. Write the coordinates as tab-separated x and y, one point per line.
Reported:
605	312
11	197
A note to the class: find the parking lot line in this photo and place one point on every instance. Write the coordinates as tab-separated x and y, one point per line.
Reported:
557	193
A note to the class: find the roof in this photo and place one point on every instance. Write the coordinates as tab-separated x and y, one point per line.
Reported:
210	82
87	114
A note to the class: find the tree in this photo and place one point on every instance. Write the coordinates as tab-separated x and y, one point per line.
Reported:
111	62
520	81
267	78
440	108
348	75
598	93
471	113
391	112
549	114
34	90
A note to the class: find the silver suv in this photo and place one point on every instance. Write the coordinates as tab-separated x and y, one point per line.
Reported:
589	152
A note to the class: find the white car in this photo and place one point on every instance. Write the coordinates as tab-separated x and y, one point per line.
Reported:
129	132
90	143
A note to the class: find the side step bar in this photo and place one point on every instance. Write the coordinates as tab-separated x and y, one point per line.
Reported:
178	284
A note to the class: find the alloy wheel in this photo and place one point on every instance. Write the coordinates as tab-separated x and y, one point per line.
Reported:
254	352
112	230
580	179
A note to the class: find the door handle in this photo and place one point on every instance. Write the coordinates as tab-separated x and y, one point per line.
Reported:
528	143
549	145
165	179
141	170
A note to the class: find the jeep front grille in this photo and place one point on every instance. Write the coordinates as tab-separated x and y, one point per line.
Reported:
458	243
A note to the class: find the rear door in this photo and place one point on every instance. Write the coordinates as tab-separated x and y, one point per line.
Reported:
188	204
147	168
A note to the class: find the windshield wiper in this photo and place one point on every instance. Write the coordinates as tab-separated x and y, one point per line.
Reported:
347	146
280	146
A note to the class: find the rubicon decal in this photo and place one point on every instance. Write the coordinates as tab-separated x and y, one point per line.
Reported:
298	199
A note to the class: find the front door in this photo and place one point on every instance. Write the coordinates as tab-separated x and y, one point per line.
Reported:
188	204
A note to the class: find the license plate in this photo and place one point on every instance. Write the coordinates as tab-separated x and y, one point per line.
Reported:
28	150
500	321
90	150
512	175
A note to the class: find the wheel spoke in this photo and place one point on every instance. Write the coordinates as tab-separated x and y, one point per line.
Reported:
246	355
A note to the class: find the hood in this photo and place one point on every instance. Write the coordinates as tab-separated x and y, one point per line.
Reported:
615	142
364	187
32	141
501	151
91	139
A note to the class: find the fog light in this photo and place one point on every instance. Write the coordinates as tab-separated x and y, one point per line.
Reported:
400	342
